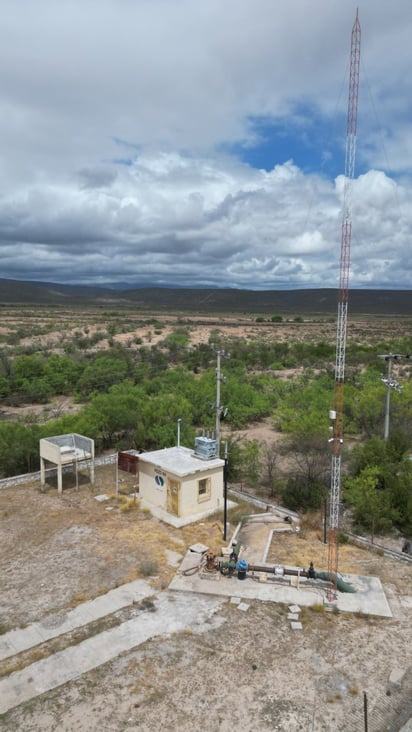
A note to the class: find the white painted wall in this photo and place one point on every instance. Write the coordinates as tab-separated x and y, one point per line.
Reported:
153	482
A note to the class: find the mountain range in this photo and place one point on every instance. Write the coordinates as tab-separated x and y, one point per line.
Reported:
282	302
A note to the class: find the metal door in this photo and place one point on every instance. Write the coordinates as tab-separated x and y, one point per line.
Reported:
173	492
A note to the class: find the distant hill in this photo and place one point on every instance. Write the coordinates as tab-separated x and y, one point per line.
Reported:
282	302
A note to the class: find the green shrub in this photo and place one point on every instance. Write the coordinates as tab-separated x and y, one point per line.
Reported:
148	568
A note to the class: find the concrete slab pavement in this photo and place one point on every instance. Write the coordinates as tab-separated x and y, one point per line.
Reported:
52	626
172	613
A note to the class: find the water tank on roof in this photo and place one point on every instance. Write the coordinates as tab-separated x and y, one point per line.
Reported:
205	447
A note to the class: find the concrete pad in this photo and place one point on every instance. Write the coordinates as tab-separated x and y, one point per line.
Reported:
293	616
296	626
16	641
22	639
173	614
368	599
173	558
198	548
294	609
235	600
396	677
243	606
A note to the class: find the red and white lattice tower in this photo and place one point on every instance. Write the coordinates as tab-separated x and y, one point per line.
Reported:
337	413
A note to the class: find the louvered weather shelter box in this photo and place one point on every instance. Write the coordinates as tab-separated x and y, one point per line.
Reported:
63	450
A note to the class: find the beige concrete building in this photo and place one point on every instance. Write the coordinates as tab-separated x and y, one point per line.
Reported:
179	485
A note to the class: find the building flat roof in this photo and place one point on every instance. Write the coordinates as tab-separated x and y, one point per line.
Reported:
180	460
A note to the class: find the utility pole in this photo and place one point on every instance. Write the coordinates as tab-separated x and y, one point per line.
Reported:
336	415
220	410
390	384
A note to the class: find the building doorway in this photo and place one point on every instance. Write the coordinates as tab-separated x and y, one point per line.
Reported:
173	492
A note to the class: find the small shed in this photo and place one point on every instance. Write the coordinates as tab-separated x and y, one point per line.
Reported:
128	460
65	450
180	483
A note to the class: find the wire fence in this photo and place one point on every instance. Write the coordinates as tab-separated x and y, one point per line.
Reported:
362	711
391	712
16	480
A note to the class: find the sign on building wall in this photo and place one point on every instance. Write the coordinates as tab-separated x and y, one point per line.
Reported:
160	477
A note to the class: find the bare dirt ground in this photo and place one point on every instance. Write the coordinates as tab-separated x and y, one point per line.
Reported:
249	671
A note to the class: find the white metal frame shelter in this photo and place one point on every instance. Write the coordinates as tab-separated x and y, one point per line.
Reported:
65	450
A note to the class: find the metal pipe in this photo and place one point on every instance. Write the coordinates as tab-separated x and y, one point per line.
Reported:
277	569
225	495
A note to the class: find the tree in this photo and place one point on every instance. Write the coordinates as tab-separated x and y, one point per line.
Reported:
19	449
365	406
250	462
304	409
308	481
246	404
387	462
114	415
156	426
371	452
36	390
28	377
399	486
269	461
62	373
27	367
234	451
386	454
373	509
4	387
176	343
102	373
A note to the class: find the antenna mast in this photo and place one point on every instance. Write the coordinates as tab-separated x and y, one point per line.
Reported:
337	414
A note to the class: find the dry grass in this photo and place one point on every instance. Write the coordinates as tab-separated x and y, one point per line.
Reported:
301	548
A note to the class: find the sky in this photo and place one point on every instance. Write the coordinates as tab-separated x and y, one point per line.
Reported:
201	143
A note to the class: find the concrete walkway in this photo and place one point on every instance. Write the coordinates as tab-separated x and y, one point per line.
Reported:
22	639
256	536
172	613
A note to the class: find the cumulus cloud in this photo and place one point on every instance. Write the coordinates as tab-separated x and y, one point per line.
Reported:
186	221
126	130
